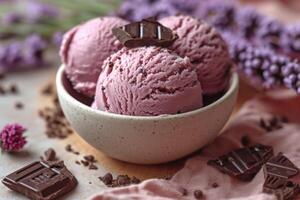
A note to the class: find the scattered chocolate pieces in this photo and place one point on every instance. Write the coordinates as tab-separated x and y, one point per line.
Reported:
71	150
147	32
90	158
198	194
277	172
243	163
56	124
19	105
50	155
12	89
41	180
121	180
275	123
280	166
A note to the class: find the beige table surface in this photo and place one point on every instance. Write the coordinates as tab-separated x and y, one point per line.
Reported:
30	84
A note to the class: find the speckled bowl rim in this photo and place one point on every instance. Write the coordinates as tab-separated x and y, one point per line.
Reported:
61	89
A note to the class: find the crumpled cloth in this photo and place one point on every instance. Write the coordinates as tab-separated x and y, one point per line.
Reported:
196	174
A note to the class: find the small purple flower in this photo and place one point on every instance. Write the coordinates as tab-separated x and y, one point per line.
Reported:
11	137
57	38
37	10
35	47
12	18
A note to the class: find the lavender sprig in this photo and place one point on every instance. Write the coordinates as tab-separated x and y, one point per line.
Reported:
261	63
23	55
249	21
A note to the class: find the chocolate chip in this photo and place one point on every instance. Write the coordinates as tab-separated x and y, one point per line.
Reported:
184	192
89	158
198	194
93	167
215	185
56	124
48	90
77	162
69	148
123	180
107	179
19	105
245	140
14	89
85	163
50	155
243	163
147	32
135	180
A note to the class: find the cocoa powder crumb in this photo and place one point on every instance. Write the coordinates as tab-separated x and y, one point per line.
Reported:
198	194
19	105
215	185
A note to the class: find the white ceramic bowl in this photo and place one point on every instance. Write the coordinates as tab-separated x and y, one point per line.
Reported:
146	140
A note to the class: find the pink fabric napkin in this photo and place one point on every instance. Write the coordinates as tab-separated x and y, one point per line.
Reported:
196	174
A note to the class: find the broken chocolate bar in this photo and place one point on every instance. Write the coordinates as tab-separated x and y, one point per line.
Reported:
282	188
277	172
147	32
41	180
243	163
280	166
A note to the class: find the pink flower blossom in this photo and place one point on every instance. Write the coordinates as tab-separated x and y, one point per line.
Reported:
11	137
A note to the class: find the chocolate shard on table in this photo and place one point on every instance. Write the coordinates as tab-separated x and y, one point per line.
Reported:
243	163
41	180
282	188
147	32
280	166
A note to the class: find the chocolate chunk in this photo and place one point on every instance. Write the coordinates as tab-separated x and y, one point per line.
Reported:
85	163
280	166
107	179
135	180
243	163
50	155
282	188
198	194
90	158
123	180
41	180
147	32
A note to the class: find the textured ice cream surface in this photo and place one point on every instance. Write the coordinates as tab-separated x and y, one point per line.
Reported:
148	81
206	49
85	47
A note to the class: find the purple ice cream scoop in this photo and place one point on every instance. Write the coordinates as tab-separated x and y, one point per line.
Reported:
85	47
148	81
206	49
